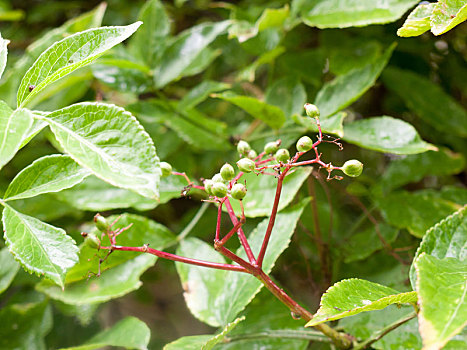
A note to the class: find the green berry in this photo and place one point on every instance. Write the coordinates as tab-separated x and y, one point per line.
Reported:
227	172
238	191
282	155
219	189
218	178
208	186
271	147
166	169
352	168
92	241
252	154
246	165
101	223
311	110
304	144
243	147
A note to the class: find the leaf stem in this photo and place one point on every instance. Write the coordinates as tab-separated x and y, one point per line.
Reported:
199	214
281	334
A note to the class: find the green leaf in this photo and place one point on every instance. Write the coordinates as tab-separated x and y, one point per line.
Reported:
271	115
288	94
424	98
249	72
69	54
200	93
347	88
426	209
447	239
129	333
47	174
109	142
418	21
352	296
353	13
442	290
3	54
332	125
122	75
447	14
386	134
14	127
262	189
8	269
230	291
39	247
184	50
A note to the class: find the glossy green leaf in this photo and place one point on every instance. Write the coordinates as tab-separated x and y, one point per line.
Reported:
200	93
442	290
8	269
45	207
69	54
109	142
47	174
426	209
447	14
347	88
418	21
424	98
14	127
271	115
386	134
184	49
122	75
201	62
264	190
230	291
39	247
331	125
129	333
288	94
353	13
3	54
352	296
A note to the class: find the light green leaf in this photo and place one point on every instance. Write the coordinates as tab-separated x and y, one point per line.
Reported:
418	21
264	190
386	134
39	247
271	115
230	291
424	98
352	13
288	94
200	93
447	14
442	290
111	143
184	49
201	62
14	127
3	54
331	125
69	54
352	296
347	88
47	174
8	269
129	333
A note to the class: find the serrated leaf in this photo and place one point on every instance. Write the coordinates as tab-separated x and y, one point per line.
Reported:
264	189
128	333
386	134
352	296
39	247
353	13
14	127
447	14
347	88
442	290
230	291
418	21
3	54
271	115
109	142
69	54
8	269
184	50
47	174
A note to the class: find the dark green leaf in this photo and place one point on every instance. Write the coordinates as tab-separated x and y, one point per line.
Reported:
8	269
288	94
200	93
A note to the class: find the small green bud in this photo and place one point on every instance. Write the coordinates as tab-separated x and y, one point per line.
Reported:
238	191
208	186
252	154
166	169
219	189
311	110
282	155
352	168
243	147
227	172
246	165
218	178
101	223
271	147
92	241
304	144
